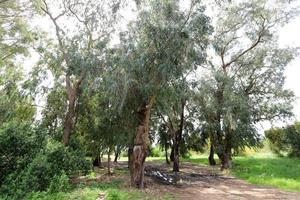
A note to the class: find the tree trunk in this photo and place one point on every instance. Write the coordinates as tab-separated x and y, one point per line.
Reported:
176	158
172	154
116	157
211	155
166	153
95	162
72	96
177	139
225	161
130	158
68	121
108	162
141	146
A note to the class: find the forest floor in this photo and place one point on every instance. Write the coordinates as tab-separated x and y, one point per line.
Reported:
194	181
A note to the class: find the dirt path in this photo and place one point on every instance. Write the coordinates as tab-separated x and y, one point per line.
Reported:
198	182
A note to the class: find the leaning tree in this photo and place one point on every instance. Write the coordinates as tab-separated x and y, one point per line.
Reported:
78	50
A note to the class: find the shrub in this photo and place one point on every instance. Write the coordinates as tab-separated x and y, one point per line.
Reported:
155	152
48	170
18	146
277	137
285	140
59	183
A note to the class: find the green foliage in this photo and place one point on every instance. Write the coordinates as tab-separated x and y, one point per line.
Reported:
110	190
276	137
244	86
285	140
156	152
18	146
47	169
59	183
155	58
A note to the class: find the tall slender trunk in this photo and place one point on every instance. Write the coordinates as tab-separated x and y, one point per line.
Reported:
141	145
211	155
172	153
176	158
72	92
108	162
166	154
116	157
68	121
177	139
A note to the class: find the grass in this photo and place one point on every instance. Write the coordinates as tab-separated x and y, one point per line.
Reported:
111	191
263	169
280	172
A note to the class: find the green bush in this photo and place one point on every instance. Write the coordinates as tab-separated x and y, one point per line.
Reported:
156	152
59	183
277	140
48	170
18	146
285	140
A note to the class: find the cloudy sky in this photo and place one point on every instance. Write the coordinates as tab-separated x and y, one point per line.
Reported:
290	35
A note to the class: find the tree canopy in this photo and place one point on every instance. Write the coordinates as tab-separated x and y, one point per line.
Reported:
182	75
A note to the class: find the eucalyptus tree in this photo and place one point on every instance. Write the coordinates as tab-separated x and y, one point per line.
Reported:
244	85
159	47
15	34
176	114
79	48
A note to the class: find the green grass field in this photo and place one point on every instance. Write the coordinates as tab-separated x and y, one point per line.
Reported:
283	173
263	169
110	191
260	169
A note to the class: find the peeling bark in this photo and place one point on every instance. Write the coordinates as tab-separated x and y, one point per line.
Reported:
177	139
141	145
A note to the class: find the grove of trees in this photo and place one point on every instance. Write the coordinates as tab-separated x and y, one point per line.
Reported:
184	75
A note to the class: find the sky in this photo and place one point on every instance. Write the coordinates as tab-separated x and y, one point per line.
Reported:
289	35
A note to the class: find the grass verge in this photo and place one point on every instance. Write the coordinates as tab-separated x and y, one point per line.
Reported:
263	169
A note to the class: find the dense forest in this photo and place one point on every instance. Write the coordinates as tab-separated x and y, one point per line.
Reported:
119	78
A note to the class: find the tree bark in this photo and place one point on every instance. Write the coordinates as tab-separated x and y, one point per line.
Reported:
211	159
225	161
176	158
97	161
177	139
72	96
108	162
116	157
172	154
166	153
68	121
141	145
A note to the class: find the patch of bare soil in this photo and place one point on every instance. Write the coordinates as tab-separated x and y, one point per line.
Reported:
196	182
193	182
